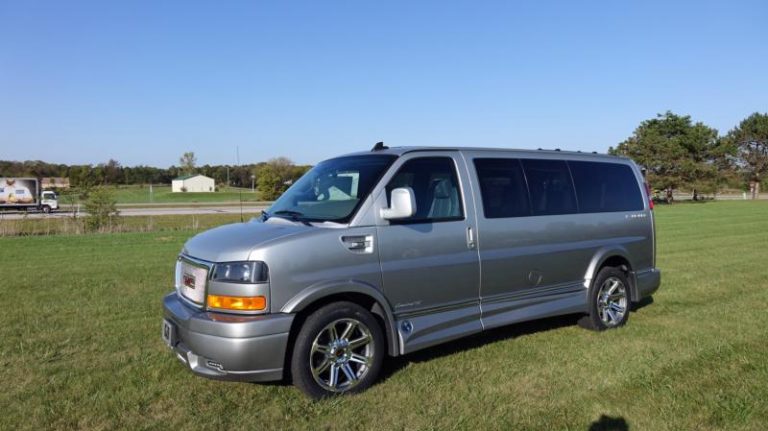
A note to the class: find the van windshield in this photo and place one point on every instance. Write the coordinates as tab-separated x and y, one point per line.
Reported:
332	190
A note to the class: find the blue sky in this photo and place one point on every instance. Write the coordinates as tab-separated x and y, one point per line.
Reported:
142	82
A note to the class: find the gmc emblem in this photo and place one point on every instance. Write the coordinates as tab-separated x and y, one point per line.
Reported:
189	281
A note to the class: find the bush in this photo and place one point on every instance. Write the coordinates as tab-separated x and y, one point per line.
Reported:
101	207
268	183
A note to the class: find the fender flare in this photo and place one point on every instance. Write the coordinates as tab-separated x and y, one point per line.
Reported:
317	292
600	256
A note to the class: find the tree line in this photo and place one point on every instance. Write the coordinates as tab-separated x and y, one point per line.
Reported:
679	153
676	152
272	177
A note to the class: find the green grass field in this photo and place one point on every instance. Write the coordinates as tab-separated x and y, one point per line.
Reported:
163	194
80	348
68	225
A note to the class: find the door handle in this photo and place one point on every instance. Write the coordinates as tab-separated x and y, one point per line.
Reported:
358	243
470	237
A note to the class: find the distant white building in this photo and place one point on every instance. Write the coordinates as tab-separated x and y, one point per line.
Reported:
193	184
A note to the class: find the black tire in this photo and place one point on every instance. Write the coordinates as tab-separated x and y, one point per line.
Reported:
46	209
340	355
605	311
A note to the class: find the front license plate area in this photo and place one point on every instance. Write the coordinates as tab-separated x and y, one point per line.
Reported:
169	333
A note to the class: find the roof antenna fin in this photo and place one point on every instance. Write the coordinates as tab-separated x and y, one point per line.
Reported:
379	146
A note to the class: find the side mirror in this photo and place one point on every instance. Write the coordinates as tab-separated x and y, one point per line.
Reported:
403	204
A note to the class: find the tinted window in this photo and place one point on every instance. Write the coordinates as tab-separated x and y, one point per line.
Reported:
502	187
550	187
435	186
605	187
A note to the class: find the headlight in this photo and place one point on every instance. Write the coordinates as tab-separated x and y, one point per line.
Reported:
240	272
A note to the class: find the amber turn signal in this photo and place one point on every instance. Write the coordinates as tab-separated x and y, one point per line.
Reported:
239	303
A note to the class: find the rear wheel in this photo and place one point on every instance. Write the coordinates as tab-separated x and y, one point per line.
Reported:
339	350
609	300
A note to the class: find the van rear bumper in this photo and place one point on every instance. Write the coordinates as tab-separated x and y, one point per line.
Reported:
227	346
647	282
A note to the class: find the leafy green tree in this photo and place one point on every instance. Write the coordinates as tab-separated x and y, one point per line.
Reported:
269	182
274	177
101	207
675	151
83	176
749	142
113	172
188	161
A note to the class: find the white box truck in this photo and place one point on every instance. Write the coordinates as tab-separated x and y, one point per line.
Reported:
24	194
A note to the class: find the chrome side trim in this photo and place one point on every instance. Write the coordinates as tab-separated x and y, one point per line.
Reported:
564	300
438	309
436	327
534	293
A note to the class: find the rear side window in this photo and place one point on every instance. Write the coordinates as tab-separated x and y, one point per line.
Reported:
503	189
435	186
606	187
550	187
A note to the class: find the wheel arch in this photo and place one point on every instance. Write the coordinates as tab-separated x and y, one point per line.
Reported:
617	257
363	294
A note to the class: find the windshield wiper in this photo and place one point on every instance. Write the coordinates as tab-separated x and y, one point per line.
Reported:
289	213
294	215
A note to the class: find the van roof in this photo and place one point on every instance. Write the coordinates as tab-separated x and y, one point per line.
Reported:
398	151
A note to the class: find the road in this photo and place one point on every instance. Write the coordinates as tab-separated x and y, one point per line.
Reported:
154	211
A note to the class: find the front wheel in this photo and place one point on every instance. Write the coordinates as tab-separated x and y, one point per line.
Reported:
339	350
609	300
46	209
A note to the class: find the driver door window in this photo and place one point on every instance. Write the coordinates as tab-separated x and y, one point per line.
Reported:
435	186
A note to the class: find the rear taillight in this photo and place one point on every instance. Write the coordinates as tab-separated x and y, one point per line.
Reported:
650	198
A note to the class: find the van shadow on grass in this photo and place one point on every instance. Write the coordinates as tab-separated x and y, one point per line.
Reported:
648	300
608	423
393	365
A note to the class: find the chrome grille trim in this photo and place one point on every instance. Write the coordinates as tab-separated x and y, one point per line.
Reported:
179	285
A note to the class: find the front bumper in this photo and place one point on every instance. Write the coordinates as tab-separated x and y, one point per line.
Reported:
227	346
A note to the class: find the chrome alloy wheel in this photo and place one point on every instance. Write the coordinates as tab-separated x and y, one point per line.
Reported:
612	301
341	355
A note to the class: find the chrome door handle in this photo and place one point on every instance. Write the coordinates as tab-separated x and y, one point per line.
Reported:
358	243
470	237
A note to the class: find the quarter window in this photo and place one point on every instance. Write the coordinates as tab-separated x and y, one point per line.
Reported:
435	186
550	187
503	189
606	187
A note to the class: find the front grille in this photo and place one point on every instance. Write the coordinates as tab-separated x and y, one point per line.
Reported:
191	280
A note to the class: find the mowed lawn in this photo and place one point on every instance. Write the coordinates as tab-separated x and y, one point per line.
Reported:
80	348
131	194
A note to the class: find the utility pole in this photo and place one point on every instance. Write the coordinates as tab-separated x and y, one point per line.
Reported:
253	177
227	175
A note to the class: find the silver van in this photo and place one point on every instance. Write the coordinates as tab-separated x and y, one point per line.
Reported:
398	249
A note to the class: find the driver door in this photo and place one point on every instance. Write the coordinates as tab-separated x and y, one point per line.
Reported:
429	262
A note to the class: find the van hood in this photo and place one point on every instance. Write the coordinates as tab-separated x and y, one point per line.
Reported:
234	242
